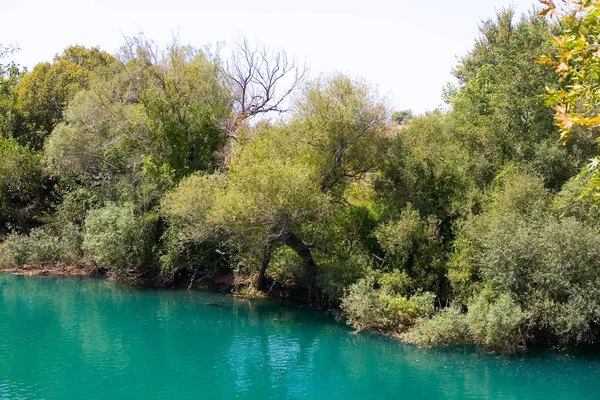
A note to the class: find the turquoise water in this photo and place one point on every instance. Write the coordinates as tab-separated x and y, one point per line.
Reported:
63	338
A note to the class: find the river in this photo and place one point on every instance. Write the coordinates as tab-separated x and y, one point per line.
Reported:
83	338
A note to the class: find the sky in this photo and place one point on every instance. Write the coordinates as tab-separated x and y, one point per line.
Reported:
407	49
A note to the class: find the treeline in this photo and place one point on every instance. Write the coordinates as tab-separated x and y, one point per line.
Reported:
459	227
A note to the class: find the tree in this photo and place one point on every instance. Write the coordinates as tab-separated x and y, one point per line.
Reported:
426	167
498	110
155	120
21	183
402	117
10	74
287	181
344	122
42	95
184	100
270	190
260	81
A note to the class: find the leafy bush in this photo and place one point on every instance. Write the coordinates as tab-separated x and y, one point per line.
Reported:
412	245
14	251
543	256
43	246
446	328
572	201
370	308
497	323
516	197
336	275
115	239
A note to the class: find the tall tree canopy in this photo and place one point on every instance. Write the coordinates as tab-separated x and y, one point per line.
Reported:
42	95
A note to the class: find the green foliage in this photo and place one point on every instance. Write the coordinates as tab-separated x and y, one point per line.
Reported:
426	166
10	74
570	202
47	245
22	184
547	262
446	328
43	94
412	245
19	173
381	309
286	184
497	323
343	120
498	109
338	271
269	191
402	117
142	126
115	239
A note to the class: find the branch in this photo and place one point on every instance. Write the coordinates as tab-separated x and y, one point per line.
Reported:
256	78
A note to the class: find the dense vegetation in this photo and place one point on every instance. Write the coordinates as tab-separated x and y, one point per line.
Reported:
466	226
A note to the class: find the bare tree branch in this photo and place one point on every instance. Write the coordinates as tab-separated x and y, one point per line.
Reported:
257	78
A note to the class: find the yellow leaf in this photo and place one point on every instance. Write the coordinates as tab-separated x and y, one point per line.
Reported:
543	13
559	40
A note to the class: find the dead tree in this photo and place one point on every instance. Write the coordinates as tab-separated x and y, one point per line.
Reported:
260	80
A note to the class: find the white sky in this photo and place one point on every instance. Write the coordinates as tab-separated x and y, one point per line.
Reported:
406	48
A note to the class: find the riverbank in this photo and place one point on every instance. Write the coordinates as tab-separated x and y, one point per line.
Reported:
213	281
53	270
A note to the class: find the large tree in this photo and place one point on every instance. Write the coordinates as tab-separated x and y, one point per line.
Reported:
498	110
42	95
159	117
288	181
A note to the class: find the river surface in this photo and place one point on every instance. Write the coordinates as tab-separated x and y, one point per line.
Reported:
81	338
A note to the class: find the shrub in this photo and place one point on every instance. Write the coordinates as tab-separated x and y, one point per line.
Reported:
335	275
370	308
412	245
497	323
44	245
542	253
446	328
114	238
14	251
570	202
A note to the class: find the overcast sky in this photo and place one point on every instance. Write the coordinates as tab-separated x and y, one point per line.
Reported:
406	48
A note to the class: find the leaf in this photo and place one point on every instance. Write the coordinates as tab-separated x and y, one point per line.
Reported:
550	11
593	163
562	67
560	40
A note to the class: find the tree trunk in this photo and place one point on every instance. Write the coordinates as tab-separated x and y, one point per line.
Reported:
262	278
310	267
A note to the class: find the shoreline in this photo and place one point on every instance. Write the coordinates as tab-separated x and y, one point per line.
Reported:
217	283
52	270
